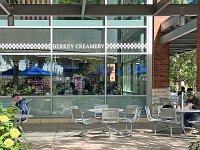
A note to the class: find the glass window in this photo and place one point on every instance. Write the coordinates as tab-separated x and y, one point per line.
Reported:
126	1
78	40
78	21
77	1
126	74
25	41
27	75
126	21
27	21
126	40
78	75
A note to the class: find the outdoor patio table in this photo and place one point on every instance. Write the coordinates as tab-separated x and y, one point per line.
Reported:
100	110
184	111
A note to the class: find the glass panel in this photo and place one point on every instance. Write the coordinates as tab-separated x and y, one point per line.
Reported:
78	21
126	21
26	75
78	75
77	1
126	1
61	105
40	106
126	75
127	40
25	40
78	40
122	101
27	21
21	2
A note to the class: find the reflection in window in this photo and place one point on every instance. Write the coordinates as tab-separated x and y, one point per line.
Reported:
126	75
25	75
126	40
78	75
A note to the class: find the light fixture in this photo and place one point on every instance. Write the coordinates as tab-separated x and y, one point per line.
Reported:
10	18
181	19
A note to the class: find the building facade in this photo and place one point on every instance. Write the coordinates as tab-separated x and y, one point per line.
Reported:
56	62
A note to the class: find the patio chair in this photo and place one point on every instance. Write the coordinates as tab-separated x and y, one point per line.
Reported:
169	116
132	114
110	117
25	119
150	118
77	116
99	115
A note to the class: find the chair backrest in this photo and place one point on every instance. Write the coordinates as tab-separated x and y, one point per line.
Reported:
139	113
164	100
99	115
100	106
26	119
110	115
131	109
148	113
168	114
77	114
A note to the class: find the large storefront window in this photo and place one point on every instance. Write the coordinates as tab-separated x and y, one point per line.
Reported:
78	75
126	75
27	75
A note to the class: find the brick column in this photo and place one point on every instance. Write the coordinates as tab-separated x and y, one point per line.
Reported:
161	61
198	56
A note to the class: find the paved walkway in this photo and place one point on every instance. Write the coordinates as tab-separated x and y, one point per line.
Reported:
64	137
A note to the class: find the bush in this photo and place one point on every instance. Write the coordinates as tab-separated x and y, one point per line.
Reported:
11	138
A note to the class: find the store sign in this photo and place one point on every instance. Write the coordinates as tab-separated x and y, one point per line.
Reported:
69	46
78	46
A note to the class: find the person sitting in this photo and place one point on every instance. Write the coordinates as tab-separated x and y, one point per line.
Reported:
194	103
21	103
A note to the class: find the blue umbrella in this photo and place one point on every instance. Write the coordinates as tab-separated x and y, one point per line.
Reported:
8	72
35	71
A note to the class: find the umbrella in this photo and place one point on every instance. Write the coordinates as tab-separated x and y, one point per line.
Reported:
35	71
8	72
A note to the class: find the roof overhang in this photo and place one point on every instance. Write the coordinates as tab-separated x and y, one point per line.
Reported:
160	9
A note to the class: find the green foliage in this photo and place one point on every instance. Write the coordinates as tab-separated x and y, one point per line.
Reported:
183	67
195	145
11	138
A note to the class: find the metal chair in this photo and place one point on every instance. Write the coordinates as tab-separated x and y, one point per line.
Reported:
77	116
99	115
110	117
132	113
169	116
150	118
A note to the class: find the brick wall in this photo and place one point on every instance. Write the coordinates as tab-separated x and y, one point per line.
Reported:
198	53
161	61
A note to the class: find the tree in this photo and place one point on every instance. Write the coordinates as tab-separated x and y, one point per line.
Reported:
183	68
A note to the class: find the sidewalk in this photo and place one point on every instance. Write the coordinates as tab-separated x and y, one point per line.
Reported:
64	137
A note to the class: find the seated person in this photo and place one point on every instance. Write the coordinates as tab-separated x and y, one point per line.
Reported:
191	116
21	103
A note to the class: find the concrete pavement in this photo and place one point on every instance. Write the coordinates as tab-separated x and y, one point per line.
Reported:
64	137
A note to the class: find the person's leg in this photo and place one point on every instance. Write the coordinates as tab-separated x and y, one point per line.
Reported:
187	116
194	116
